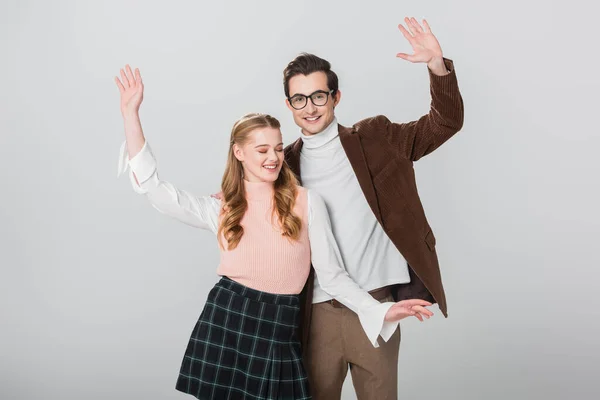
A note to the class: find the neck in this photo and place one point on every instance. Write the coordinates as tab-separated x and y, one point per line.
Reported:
322	138
259	190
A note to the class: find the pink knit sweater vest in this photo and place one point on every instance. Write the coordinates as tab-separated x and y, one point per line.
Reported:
264	259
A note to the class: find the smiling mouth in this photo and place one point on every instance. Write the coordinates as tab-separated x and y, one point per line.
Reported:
271	167
312	119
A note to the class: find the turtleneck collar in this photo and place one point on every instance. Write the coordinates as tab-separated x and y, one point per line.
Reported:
322	138
259	190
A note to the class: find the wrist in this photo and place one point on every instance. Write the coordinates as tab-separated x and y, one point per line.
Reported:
130	114
437	65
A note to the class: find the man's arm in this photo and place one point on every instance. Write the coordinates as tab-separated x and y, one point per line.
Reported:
445	118
416	139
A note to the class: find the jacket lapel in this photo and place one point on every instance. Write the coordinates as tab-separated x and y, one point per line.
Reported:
292	157
354	151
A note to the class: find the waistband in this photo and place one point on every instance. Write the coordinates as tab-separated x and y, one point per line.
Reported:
257	295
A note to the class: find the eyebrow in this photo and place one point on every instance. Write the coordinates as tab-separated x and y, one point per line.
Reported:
263	145
307	95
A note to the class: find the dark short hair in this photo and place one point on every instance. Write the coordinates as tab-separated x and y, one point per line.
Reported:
306	64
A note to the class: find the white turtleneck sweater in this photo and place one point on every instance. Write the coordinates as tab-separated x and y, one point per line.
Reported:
370	257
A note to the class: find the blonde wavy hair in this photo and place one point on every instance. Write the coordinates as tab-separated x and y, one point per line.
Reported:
234	195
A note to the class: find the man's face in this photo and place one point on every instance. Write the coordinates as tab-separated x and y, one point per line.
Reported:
312	119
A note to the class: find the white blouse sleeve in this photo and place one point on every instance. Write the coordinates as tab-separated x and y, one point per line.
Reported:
200	212
334	279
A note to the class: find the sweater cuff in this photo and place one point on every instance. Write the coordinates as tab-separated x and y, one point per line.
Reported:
373	322
143	164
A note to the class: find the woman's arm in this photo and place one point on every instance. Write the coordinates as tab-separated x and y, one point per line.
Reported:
131	88
136	155
376	318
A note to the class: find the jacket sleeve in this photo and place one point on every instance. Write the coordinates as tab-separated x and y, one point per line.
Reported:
416	139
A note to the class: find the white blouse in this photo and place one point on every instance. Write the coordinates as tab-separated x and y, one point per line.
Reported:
203	212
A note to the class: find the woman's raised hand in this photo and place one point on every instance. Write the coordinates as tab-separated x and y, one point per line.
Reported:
131	88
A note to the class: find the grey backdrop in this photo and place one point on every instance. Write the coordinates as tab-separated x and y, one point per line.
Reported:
99	292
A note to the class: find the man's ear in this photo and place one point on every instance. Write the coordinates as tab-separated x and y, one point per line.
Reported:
289	106
337	98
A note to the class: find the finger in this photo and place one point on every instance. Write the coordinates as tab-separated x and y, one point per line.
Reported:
124	79
138	78
407	34
130	75
138	75
422	311
419	317
416	25
426	316
409	26
426	26
407	57
119	85
416	302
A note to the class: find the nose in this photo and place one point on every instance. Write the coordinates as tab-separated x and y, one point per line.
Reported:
310	107
273	156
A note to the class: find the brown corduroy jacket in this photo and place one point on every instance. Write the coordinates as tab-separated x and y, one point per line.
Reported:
382	155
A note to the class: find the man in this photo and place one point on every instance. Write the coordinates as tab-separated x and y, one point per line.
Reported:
365	175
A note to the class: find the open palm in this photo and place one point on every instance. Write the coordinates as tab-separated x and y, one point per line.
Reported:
131	88
425	46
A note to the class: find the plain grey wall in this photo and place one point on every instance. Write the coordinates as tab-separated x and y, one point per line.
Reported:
99	292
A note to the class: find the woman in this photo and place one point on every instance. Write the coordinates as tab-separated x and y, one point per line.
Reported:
269	230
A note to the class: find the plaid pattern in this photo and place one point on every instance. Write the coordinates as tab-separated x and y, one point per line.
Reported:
245	346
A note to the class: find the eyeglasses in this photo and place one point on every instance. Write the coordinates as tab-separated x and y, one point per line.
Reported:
318	98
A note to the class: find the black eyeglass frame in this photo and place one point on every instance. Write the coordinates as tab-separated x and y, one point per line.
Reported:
330	92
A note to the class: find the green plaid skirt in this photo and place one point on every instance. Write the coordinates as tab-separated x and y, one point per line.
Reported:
244	346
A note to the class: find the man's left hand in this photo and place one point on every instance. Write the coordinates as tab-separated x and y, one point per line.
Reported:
426	48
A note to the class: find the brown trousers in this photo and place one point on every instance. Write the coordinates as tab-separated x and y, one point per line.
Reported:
337	342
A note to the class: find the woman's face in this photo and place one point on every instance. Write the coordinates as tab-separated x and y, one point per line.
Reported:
262	155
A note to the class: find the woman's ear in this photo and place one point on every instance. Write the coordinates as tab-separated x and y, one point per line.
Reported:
238	153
